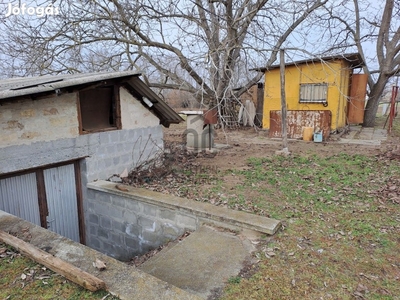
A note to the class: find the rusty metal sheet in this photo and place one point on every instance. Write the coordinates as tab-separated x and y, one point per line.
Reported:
210	116
358	91
297	119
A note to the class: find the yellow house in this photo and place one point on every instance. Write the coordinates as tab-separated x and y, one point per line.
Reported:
318	92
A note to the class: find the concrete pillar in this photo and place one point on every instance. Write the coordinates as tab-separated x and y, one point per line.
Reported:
198	136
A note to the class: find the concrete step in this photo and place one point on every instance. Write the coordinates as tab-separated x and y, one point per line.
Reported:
204	261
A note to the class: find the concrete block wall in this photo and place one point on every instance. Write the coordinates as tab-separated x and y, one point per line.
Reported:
123	227
114	151
102	154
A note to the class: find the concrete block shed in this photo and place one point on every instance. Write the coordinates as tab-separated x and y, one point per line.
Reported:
59	133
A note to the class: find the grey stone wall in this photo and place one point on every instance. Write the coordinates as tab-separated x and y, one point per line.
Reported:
102	154
123	227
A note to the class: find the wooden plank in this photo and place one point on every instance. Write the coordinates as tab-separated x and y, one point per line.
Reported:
79	198
41	189
55	264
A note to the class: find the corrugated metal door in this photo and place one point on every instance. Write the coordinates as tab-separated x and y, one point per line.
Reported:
62	201
19	196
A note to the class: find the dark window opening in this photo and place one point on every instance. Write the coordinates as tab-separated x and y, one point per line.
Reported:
98	109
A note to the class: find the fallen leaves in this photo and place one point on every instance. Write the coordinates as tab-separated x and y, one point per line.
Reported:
139	260
100	265
360	291
29	274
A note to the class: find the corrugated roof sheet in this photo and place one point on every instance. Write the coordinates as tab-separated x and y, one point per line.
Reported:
14	88
354	59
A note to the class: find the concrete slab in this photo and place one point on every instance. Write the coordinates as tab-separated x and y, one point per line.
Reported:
202	262
351	134
374	143
366	136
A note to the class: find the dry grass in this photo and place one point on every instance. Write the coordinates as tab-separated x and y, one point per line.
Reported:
342	221
22	278
342	235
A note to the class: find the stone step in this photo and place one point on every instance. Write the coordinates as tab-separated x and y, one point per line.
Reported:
202	262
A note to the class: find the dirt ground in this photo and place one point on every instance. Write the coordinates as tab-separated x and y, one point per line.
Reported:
250	142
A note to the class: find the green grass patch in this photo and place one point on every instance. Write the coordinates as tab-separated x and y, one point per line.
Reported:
23	278
341	230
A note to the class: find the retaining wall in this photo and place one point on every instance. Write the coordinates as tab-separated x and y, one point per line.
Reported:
125	221
123	227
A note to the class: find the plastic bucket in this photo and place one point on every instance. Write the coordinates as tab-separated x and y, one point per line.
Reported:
308	133
318	137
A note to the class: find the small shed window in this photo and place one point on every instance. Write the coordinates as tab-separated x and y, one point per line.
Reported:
313	93
99	109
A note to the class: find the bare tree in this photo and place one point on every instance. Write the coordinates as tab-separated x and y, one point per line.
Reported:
204	47
372	28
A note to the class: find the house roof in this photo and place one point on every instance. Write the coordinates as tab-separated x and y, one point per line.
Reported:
33	87
354	59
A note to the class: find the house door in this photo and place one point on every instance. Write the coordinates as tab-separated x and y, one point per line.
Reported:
19	197
62	201
46	197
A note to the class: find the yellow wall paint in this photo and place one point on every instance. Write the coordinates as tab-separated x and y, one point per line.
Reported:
335	73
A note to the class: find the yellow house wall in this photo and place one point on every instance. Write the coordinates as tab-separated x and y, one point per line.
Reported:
335	73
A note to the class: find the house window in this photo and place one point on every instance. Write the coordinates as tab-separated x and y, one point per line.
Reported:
313	93
99	109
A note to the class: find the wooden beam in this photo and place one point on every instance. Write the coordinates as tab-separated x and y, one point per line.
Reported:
55	264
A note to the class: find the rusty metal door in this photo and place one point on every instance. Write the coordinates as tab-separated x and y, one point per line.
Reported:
356	105
62	201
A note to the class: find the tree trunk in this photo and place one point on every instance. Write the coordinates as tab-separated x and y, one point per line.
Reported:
283	100
373	101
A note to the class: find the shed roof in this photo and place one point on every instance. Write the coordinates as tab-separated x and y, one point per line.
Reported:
22	87
354	60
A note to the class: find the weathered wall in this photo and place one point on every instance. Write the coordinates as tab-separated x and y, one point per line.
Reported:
103	154
134	114
27	121
123	227
336	74
250	94
128	222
